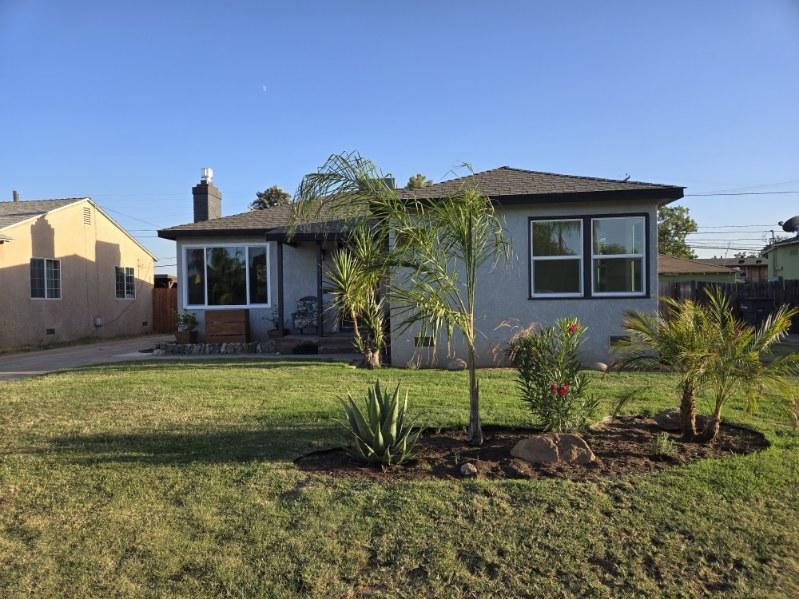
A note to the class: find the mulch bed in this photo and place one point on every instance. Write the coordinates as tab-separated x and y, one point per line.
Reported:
622	446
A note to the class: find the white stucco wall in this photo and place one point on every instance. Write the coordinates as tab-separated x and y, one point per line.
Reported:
503	295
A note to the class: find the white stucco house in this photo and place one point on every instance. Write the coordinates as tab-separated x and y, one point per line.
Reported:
582	246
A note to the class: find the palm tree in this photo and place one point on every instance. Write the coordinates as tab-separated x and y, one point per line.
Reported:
434	247
437	244
736	363
674	339
356	273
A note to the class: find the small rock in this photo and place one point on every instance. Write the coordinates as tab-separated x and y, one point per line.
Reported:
456	364
468	469
669	420
553	448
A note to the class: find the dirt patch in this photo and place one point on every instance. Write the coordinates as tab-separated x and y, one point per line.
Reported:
622	446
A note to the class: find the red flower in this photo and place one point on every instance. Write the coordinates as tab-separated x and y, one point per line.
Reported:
553	388
563	390
573	327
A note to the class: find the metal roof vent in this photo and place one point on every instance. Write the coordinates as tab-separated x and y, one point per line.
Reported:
207	175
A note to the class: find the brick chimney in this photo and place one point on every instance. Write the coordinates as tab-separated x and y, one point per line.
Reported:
207	198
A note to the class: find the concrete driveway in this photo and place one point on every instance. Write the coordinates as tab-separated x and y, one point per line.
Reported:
14	366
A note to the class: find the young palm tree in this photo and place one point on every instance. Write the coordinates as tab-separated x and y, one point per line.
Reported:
442	246
356	274
675	339
736	363
434	247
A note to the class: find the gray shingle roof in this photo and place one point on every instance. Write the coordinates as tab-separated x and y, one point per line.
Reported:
254	221
508	181
12	213
502	182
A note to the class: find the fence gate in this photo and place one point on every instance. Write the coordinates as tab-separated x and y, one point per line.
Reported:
165	305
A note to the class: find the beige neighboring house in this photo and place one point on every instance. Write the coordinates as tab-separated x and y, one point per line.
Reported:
68	271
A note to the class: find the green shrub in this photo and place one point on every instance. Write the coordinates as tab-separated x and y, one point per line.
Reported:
662	445
381	434
186	321
549	378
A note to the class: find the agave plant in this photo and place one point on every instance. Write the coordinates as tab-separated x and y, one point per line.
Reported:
381	434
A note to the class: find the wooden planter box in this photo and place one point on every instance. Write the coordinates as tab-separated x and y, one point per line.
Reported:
227	326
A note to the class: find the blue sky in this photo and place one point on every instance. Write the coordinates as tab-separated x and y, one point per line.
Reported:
126	101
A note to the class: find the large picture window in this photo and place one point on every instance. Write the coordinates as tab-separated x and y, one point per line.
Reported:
227	275
125	282
556	258
45	278
618	249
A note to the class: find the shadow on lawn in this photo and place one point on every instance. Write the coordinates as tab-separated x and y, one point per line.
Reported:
276	444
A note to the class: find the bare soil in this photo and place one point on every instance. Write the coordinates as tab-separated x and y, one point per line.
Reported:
622	446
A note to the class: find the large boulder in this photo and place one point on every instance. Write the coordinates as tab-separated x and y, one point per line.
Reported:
554	448
456	364
669	420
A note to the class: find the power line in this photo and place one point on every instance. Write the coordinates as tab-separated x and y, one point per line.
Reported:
740	193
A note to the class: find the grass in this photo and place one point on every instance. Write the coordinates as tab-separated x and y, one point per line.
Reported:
176	480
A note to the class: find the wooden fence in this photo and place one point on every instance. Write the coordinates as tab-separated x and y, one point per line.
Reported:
165	305
752	301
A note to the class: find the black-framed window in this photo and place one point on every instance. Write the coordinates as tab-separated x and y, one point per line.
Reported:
618	255
45	276
125	282
227	275
556	258
589	256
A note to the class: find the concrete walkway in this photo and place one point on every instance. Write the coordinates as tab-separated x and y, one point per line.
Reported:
24	364
14	366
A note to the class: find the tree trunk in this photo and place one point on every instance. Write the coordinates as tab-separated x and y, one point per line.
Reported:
475	428
371	359
688	413
712	426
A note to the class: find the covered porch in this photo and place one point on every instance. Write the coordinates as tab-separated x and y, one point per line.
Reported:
303	300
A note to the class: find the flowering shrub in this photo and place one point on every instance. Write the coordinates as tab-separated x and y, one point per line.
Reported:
549	379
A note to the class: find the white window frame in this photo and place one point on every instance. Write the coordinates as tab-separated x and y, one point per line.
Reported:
124	270
579	256
205	247
642	256
60	280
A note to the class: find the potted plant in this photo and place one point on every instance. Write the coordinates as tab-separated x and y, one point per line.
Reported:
187	325
277	329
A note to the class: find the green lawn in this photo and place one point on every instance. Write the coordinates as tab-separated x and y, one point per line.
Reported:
176	479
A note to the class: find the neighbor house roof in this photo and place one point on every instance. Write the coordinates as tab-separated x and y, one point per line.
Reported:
682	266
12	213
734	262
507	183
503	184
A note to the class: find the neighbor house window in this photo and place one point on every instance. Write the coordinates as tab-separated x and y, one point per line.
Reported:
45	278
556	258
618	255
125	282
227	276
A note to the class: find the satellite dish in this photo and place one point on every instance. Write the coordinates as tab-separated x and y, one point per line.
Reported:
791	225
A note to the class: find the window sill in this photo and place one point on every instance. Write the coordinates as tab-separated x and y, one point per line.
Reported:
539	298
236	307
